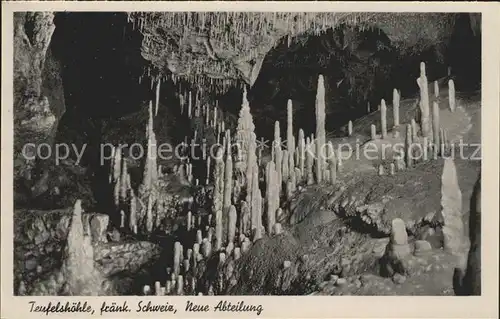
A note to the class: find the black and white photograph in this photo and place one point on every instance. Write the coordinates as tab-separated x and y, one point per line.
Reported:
246	153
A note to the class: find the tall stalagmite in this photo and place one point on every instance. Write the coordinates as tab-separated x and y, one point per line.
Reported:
383	118
228	176
451	205
147	190
424	102
244	131
278	154
271	193
320	127
290	139
395	107
218	196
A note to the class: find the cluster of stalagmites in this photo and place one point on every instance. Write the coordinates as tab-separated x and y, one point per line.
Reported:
241	212
428	138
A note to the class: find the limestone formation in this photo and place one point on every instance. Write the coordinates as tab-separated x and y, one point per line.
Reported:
383	118
320	127
451	209
395	107
424	102
451	95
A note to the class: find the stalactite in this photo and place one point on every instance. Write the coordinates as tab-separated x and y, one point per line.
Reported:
424	101
383	118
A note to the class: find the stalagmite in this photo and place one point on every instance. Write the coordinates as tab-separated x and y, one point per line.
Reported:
349	128
395	107
435	125
237	253
424	101
245	223
206	248
285	173
320	126
277	229
157	104
254	201
207	180
188	220
408	146
157	288
271	193
451	203
451	95
124	181
228	177
218	181
177	257
250	167
332	161
436	89
302	154
278	155
383	118
258	214
218	230
373	132
414	130
319	161
392	169
309	162
232	225
180	285
190	104
290	139
380	170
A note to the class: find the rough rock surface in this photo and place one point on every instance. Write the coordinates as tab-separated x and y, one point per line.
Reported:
197	45
40	241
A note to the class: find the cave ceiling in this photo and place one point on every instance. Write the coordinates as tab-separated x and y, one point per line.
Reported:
222	48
